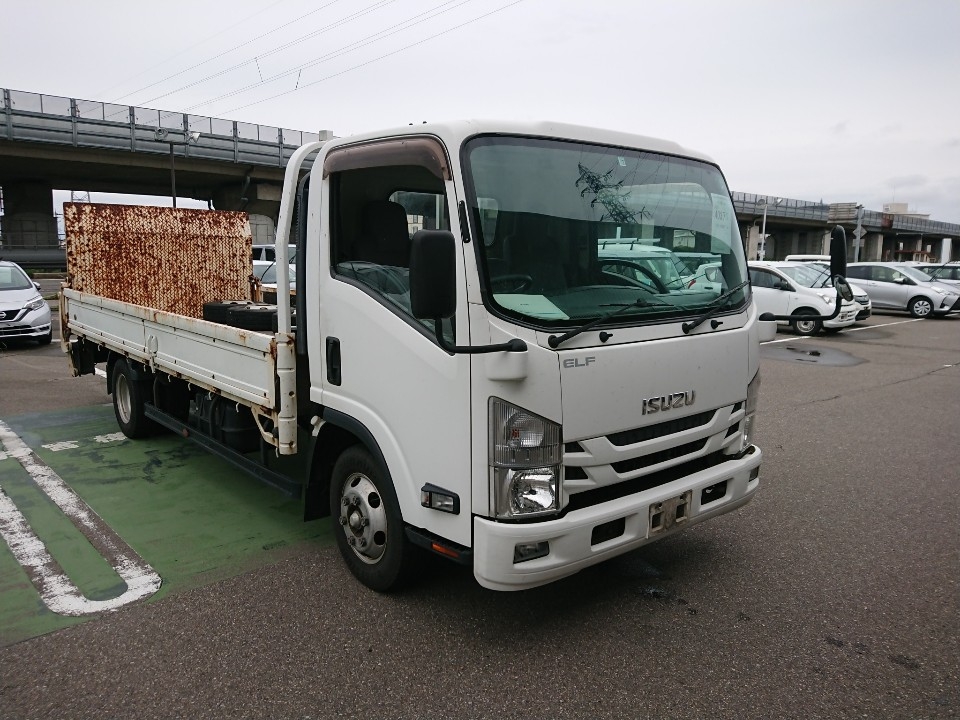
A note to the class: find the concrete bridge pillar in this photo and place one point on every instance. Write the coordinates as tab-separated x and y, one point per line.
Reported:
872	247
260	200
28	219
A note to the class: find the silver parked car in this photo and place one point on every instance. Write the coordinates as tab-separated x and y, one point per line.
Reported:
946	273
24	314
901	286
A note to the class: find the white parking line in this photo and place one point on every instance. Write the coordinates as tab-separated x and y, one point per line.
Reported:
56	589
845	331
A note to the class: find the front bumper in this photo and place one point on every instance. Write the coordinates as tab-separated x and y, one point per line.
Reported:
949	304
570	537
847	317
18	323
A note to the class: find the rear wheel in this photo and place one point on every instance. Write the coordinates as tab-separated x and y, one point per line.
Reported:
920	307
367	522
803	325
128	402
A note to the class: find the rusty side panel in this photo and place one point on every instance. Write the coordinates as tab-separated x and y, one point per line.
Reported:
163	258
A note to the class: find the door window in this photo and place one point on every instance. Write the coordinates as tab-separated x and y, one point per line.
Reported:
381	195
764	279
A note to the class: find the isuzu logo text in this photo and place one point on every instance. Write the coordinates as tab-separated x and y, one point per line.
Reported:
668	402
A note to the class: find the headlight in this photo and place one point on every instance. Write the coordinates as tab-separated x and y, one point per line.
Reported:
525	462
35	304
826	297
749	427
938	291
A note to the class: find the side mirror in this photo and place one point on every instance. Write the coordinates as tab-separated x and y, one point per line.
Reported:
783	286
37	285
838	252
433	275
843	287
433	289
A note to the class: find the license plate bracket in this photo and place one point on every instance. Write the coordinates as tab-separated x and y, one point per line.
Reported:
667	514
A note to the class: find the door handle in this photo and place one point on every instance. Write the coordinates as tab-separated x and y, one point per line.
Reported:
333	361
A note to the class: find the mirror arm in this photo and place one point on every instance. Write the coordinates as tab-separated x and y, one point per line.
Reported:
514	345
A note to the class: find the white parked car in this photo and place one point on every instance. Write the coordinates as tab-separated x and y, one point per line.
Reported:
651	266
267	272
24	314
860	296
796	289
269	253
900	286
808	259
708	276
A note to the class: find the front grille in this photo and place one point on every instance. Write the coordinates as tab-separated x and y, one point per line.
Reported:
602	464
6	330
588	498
630	437
643	461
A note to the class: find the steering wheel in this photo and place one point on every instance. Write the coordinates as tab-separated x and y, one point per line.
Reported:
657	282
513	282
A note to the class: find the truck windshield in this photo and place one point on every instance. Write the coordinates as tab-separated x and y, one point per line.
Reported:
570	230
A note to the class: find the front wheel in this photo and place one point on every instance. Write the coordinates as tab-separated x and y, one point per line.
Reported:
920	307
803	325
367	522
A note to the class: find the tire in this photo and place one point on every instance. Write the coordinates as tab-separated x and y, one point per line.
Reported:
129	398
45	339
805	327
920	307
217	311
252	317
367	522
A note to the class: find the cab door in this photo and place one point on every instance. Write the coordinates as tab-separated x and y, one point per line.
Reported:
380	366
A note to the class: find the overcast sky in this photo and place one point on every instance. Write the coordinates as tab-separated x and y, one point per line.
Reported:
833	100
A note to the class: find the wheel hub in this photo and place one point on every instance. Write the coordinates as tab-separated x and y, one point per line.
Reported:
363	518
121	390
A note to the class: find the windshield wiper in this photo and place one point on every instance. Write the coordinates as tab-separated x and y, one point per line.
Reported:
555	340
712	309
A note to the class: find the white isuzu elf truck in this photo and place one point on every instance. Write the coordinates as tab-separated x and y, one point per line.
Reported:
492	389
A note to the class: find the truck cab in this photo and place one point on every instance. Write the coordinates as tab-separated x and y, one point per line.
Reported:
486	387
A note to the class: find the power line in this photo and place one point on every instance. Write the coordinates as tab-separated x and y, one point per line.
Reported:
381	57
243	45
363	42
178	54
338	23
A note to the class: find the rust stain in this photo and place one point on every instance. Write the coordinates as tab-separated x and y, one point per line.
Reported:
167	259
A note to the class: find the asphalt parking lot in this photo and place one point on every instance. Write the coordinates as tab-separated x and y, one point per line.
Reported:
834	594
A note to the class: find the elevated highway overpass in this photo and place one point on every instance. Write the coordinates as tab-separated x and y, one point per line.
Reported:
49	142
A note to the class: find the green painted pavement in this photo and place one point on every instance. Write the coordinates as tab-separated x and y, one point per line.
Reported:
192	516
